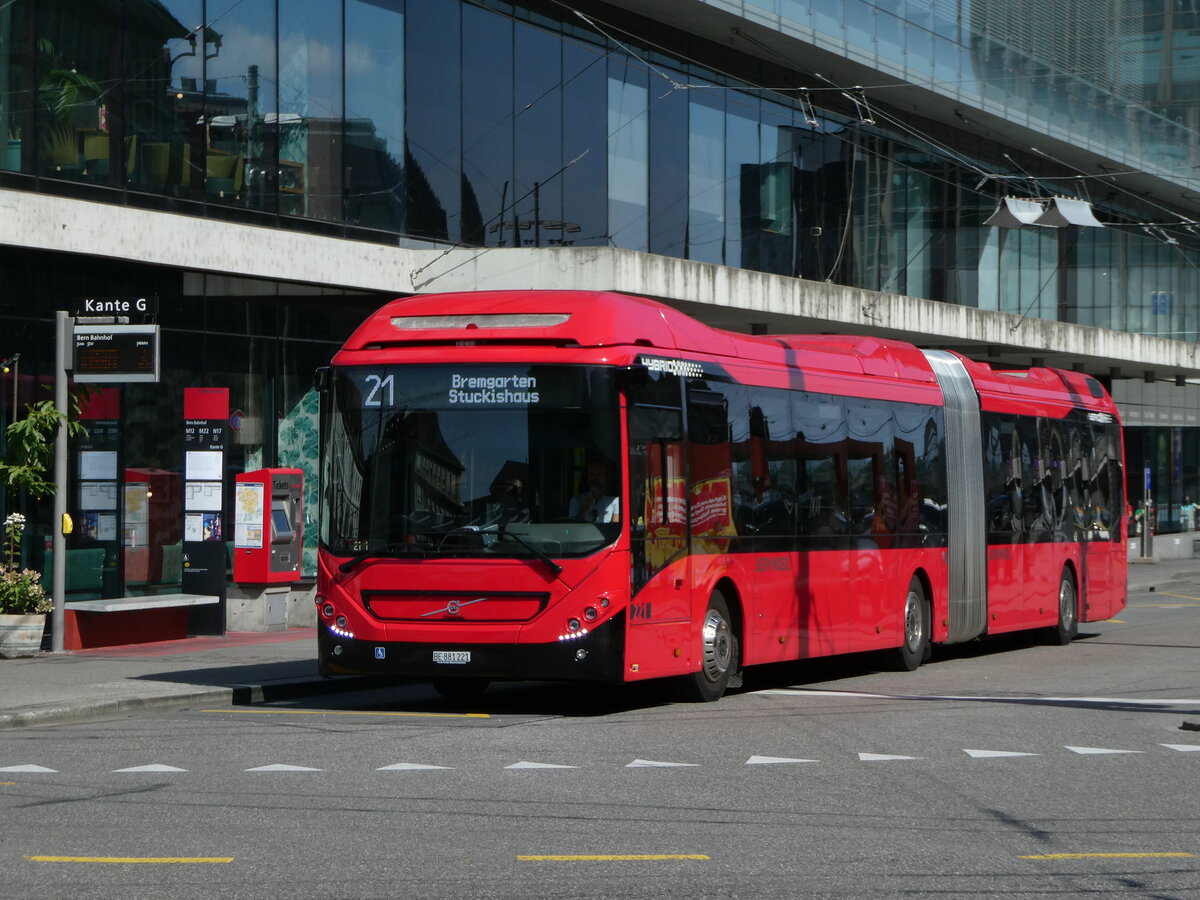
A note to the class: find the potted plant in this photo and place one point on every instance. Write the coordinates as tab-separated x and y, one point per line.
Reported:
23	600
70	97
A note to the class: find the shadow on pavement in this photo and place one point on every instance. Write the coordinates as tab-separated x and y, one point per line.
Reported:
224	676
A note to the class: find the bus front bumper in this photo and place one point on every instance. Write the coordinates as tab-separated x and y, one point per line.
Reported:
595	656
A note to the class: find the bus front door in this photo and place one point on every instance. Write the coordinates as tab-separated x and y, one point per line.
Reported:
660	606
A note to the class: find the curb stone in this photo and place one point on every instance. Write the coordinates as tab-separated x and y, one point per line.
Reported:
235	695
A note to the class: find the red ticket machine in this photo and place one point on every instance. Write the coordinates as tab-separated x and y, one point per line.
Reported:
268	525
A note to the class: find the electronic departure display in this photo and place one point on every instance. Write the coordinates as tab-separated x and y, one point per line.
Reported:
116	353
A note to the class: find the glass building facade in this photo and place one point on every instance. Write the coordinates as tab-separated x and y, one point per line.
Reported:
499	125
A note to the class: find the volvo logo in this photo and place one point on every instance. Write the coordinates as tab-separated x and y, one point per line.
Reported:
452	607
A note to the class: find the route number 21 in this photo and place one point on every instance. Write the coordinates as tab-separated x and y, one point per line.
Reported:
382	391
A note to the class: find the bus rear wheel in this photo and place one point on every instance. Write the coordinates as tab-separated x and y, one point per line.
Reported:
916	646
718	655
1068	611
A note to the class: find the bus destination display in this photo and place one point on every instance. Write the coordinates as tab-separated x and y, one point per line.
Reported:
116	353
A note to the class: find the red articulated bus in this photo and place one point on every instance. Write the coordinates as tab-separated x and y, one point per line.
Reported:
589	485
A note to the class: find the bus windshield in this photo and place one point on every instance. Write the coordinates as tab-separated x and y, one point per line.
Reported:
470	460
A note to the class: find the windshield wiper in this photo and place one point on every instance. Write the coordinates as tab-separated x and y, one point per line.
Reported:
499	531
554	567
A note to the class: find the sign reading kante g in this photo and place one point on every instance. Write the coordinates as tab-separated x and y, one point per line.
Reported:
116	306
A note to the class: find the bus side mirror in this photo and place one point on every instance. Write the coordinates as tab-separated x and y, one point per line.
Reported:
321	379
632	376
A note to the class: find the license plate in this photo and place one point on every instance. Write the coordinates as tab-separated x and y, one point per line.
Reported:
452	657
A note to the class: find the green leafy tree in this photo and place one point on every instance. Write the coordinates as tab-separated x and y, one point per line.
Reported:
29	458
31	447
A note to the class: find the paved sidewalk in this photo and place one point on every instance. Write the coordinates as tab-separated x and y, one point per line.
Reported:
1147	575
243	668
88	684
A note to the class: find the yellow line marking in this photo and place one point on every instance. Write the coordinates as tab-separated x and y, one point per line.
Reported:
153	860
346	712
1117	621
1179	596
1165	605
7	783
612	857
1108	856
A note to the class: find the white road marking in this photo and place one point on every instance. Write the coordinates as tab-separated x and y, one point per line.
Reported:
985	698
154	767
279	767
1099	751
882	757
537	765
754	760
27	769
994	754
409	767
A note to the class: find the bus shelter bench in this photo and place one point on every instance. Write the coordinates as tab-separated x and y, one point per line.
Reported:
129	620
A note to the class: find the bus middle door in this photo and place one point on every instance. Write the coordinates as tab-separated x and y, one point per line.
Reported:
1103	588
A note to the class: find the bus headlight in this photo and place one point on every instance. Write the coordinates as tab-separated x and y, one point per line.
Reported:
339	627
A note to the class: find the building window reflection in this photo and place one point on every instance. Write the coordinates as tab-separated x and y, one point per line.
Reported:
374	149
488	125
628	160
79	123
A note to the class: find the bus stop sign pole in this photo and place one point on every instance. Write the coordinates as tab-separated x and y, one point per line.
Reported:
63	326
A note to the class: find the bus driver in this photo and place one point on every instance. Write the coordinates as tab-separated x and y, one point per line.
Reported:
595	504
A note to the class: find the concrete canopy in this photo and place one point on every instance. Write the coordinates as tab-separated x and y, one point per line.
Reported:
737	299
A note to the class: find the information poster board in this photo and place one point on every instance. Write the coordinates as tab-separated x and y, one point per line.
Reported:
97	506
248	516
205	425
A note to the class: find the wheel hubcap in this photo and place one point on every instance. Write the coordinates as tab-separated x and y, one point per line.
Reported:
718	646
1066	605
914	626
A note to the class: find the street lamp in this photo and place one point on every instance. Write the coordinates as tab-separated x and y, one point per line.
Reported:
10	366
1050	212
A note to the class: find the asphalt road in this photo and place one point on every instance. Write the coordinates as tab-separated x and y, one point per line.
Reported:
1002	768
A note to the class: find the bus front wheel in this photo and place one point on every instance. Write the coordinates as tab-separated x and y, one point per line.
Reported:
916	646
718	655
1068	611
